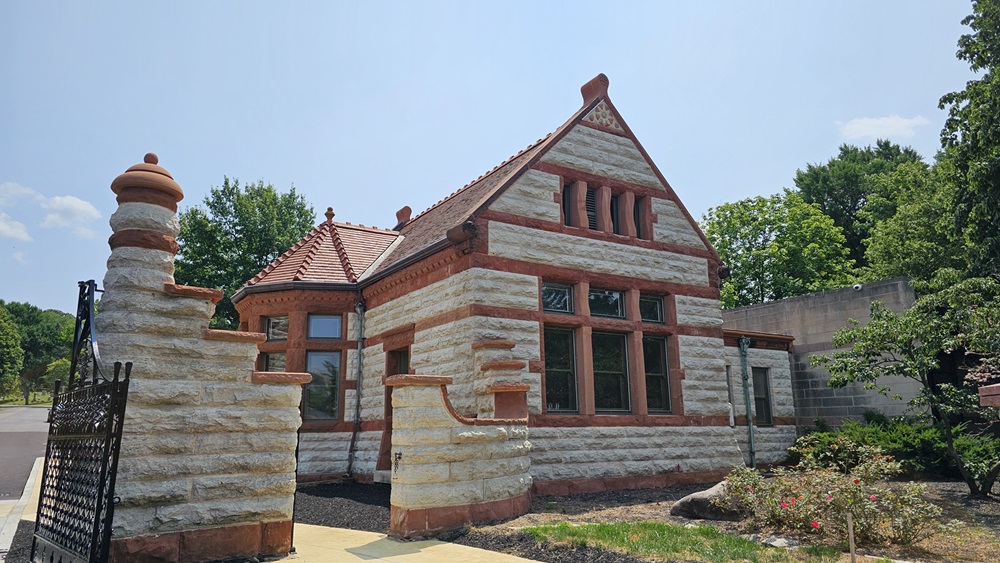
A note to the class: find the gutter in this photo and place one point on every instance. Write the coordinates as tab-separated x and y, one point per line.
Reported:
744	346
359	308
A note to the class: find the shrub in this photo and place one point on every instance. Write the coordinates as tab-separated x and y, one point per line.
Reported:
818	500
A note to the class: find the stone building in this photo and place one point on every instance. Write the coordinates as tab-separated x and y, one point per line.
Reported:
572	268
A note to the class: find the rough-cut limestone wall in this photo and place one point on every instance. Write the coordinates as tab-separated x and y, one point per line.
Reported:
203	446
366	452
672	226
771	443
705	391
588	255
596	452
440	462
323	453
602	154
534	195
698	311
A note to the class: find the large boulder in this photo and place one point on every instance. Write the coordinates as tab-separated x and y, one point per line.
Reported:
706	505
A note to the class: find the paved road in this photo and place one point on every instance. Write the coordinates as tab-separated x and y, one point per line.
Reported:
23	432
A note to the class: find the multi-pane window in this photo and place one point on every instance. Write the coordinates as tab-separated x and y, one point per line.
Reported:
611	389
560	370
321	396
762	397
325	326
651	309
654	353
274	361
276	328
557	298
607	303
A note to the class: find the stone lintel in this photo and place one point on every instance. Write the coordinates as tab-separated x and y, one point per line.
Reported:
503	365
291	378
498	344
213	295
508	388
417	380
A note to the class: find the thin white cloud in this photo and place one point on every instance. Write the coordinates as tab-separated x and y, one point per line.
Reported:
9	228
890	127
10	192
19	258
71	212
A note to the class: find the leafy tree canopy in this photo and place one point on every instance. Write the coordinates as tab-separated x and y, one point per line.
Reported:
965	317
841	187
234	235
776	247
46	335
972	132
11	354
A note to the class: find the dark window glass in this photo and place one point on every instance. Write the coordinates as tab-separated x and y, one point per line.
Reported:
399	362
637	217
276	328
762	397
560	370
651	309
567	203
321	396
611	390
616	224
654	354
592	208
325	326
557	298
274	361
607	303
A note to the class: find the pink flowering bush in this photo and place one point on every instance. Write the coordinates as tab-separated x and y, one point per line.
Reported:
817	500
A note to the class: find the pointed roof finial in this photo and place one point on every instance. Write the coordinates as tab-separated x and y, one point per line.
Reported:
329	215
596	88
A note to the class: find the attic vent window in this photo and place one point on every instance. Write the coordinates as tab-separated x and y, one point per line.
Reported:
592	208
567	204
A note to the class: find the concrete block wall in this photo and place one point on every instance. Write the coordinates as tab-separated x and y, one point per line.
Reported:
449	471
812	320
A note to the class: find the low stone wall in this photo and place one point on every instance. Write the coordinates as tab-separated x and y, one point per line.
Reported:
449	471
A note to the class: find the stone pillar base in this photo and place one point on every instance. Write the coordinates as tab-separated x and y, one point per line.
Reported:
427	522
206	544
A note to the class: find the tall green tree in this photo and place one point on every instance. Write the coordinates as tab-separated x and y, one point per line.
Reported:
46	335
972	133
234	235
841	187
11	354
964	316
776	247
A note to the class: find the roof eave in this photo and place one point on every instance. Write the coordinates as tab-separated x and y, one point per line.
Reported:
290	285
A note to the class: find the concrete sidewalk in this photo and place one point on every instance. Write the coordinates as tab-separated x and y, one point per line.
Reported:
313	544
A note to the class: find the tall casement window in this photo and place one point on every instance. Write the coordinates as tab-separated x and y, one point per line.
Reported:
560	370
637	218
321	396
611	389
325	326
276	328
654	353
567	203
616	221
591	209
762	396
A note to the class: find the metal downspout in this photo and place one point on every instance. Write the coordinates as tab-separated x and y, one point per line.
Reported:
359	308
744	346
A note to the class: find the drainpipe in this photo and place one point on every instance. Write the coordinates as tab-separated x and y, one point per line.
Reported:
359	308
744	346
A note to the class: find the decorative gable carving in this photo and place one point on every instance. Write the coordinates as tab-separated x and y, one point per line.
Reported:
603	117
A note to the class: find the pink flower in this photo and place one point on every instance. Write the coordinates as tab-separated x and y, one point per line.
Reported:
751	489
792	500
872	497
856	481
784	505
815	524
829	497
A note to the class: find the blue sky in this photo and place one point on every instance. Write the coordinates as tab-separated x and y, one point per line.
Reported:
370	106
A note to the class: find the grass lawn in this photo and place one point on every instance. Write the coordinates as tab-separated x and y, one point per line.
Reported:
36	399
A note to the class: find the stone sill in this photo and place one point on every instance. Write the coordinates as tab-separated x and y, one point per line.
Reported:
233	336
213	295
281	377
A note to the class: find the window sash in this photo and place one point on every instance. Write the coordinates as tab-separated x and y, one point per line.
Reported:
762	397
274	361
276	328
321	396
567	204
654	350
607	303
560	371
557	298
651	309
616	224
611	378
325	326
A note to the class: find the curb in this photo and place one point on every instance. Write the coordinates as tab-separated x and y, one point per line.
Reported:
10	523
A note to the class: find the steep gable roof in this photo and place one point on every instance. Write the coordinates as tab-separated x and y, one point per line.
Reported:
330	253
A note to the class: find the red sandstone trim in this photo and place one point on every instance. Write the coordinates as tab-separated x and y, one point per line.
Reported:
503	365
493	344
468	421
577	486
289	378
423	522
588	420
989	396
148	195
206	544
233	336
213	295
508	388
142	238
408	380
759	340
402	335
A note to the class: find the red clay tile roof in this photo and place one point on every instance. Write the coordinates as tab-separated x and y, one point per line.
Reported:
332	252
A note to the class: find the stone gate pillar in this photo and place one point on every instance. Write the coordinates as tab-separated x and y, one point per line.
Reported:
207	467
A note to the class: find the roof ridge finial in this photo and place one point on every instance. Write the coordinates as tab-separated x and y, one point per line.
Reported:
596	88
329	214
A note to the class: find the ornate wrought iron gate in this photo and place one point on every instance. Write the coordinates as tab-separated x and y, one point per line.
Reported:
77	503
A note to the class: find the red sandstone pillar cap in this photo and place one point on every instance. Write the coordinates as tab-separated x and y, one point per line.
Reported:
148	175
